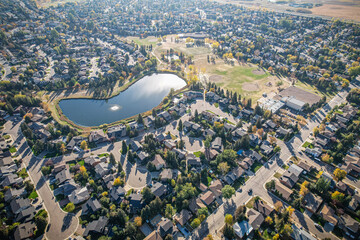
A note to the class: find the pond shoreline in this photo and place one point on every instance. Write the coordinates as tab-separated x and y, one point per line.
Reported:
58	114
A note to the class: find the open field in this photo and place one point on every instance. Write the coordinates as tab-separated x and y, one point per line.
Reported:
246	79
313	89
50	3
344	9
338	11
143	41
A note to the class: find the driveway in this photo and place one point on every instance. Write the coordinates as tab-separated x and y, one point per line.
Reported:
216	220
61	224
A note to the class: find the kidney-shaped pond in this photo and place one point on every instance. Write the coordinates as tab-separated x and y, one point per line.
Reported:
142	96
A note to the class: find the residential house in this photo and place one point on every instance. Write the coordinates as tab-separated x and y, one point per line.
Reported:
246	163
79	195
282	132
118	131
102	169
255	218
154	235
195	204
217	144
315	152
182	217
92	161
312	202
181	154
192	160
209	132
263	208
165	227
289	179
266	148
158	162
11	179
233	175
254	140
328	214
282	190
98	136
63	176
135	146
216	187
159	190
19	204
25	215
207	198
350	226
13	193
91	206
24	231
242	229
170	144
166	175
97	227
136	202
117	193
305	166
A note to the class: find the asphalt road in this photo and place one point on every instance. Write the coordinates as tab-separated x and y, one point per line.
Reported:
62	225
215	221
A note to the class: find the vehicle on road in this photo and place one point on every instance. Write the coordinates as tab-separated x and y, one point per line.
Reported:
250	191
239	190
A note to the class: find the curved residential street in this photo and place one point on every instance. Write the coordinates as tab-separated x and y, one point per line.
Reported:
215	221
62	225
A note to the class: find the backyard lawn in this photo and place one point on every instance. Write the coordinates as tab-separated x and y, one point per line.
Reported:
33	195
23	174
256	166
12	150
197	154
307	144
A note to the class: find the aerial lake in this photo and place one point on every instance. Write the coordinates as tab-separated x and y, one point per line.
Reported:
142	96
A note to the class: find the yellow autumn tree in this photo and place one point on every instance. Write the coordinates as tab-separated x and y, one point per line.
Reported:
303	189
82	170
138	221
117	182
339	174
269	220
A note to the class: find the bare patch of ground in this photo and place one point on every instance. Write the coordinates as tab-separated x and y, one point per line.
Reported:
337	11
250	87
258	72
215	78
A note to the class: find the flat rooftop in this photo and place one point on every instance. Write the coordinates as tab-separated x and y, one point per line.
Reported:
299	94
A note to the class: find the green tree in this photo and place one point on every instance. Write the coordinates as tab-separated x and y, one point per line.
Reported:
140	119
70	207
339	174
84	145
228	191
180	126
147	194
223	168
123	148
195	223
322	185
229	219
169	211
112	159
